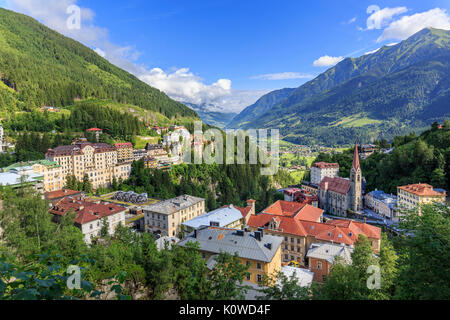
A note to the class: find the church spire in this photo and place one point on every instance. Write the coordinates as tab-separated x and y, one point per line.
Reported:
356	158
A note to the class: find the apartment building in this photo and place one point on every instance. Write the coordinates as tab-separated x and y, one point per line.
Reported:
124	152
90	215
166	217
97	160
320	170
382	203
150	162
411	196
260	252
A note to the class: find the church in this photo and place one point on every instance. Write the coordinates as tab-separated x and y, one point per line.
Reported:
339	195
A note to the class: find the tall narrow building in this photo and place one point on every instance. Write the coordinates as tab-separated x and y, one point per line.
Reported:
356	183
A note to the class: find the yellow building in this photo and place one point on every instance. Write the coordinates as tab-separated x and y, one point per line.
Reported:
260	252
51	171
411	196
124	152
150	162
96	160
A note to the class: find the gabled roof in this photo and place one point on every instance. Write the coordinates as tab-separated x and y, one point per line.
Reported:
329	252
216	240
86	210
336	184
223	216
325	165
291	209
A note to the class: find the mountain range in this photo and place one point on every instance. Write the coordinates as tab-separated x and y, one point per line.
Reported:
393	91
40	67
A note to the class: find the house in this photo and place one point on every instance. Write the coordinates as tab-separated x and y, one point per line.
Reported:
96	131
320	170
150	162
61	194
310	187
138	154
366	150
413	195
301	196
260	252
166	217
90	215
322	256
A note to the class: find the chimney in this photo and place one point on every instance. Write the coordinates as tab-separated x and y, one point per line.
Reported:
269	246
258	235
240	233
195	233
246	229
261	230
251	203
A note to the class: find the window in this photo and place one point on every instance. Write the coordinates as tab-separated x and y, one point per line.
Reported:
258	265
249	264
249	276
319	265
259	278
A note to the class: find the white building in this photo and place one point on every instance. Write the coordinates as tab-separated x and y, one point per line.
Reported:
381	203
320	170
21	176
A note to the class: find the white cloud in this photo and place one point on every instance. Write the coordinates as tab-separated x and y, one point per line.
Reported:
380	18
408	25
180	84
283	76
352	20
327	61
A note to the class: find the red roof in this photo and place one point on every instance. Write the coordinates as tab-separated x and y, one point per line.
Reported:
324	165
422	189
336	184
60	194
94	129
86	210
123	145
294	209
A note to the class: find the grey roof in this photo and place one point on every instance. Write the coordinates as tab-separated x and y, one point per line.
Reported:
173	205
304	277
223	216
13	177
227	240
329	252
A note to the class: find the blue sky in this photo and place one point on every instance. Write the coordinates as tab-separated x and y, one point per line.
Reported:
228	53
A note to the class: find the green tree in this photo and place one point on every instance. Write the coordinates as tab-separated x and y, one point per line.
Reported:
281	287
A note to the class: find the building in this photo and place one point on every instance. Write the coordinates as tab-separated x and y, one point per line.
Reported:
155	150
225	217
261	253
311	188
301	230
159	130
338	195
366	150
138	154
150	162
96	131
301	196
162	242
320	170
124	152
411	196
90	215
22	176
51	171
166	217
322	256
284	219
382	203
96	160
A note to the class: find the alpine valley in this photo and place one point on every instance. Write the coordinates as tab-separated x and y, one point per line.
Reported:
393	91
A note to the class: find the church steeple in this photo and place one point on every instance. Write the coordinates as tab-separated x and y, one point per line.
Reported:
356	158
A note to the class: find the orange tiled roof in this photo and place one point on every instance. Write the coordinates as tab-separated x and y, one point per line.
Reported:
86	210
421	189
123	145
60	194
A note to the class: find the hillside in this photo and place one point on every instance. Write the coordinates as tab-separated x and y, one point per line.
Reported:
263	105
393	91
39	66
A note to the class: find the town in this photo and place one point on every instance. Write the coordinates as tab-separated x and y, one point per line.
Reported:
300	236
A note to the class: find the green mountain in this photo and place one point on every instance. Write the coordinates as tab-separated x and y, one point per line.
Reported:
391	92
39	67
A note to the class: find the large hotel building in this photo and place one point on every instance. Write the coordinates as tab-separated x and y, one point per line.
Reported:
97	160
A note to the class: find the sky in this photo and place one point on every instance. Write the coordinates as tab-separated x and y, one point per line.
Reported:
229	53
